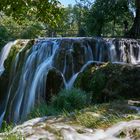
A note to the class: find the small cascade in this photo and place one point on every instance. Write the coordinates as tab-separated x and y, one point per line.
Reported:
70	83
4	54
69	56
112	51
1	118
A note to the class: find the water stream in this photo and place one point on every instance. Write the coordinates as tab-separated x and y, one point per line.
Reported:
4	54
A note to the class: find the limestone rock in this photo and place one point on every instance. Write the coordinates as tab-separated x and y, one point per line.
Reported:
57	129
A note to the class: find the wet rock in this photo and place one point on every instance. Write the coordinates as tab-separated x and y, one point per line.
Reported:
134	103
110	81
56	128
54	83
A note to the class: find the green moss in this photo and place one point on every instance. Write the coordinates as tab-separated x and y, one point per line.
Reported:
110	81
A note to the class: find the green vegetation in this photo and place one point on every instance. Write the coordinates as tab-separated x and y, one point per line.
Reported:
69	100
79	111
6	127
32	19
92	116
104	115
65	101
13	137
109	82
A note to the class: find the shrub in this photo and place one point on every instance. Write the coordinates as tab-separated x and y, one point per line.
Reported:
70	100
41	110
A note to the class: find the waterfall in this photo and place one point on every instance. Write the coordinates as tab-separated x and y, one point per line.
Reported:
38	61
4	54
70	56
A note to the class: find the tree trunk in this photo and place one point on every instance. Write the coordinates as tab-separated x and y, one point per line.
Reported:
135	30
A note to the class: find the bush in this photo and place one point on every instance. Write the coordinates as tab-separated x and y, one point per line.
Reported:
66	100
32	31
70	100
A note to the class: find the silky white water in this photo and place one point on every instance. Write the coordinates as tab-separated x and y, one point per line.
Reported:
4	54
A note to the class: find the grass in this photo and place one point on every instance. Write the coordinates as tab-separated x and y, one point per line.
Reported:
73	104
104	115
6	128
70	100
65	101
12	137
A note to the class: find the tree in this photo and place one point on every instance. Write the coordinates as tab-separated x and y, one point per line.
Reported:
47	11
104	13
135	30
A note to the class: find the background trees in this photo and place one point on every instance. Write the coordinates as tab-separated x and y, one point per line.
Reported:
33	18
28	18
135	30
106	17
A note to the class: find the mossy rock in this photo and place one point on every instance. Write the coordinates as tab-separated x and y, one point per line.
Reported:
110	81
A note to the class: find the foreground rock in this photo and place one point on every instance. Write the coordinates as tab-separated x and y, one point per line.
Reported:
57	129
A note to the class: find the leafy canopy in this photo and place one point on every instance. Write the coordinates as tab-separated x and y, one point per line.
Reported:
47	11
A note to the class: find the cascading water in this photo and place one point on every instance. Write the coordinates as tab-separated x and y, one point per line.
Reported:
4	54
70	56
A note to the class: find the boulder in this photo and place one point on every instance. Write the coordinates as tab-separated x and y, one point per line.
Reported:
54	83
110	81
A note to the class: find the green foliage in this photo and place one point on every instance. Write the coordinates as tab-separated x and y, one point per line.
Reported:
13	137
11	30
65	101
46	11
109	82
6	127
106	17
104	115
39	111
3	36
70	100
32	31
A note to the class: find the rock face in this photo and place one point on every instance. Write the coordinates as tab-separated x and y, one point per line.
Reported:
110	81
54	83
